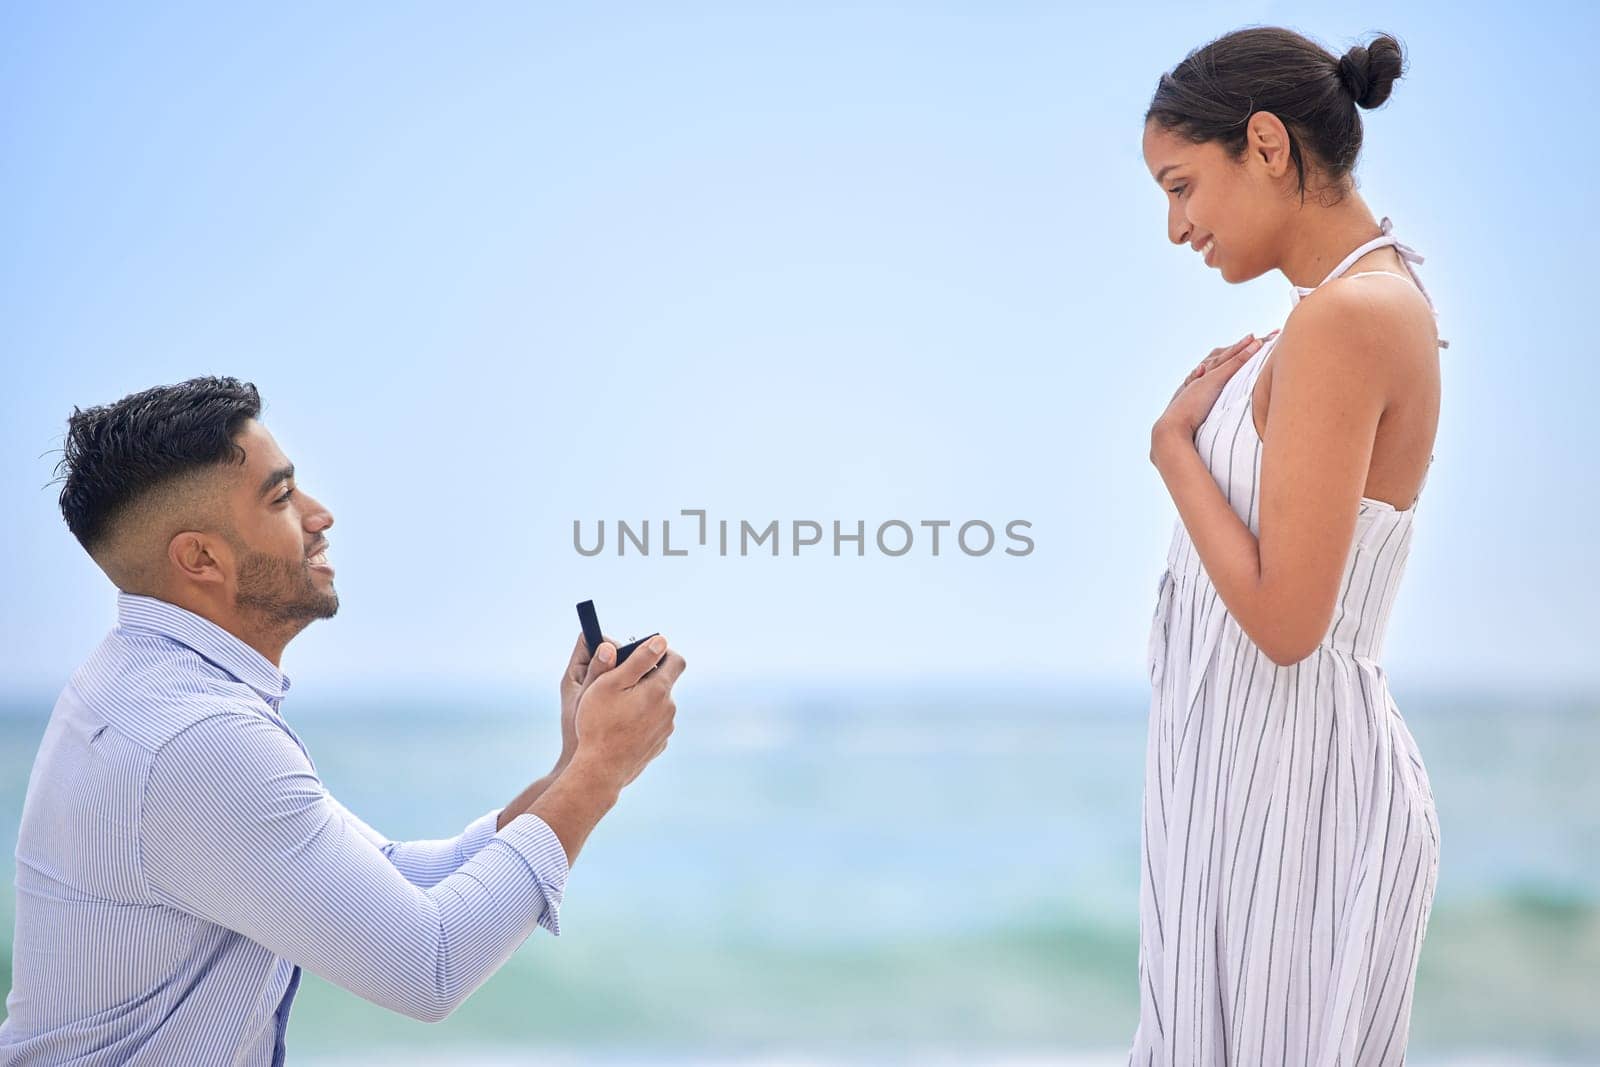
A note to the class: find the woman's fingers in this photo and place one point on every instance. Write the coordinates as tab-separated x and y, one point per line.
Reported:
1234	349
1245	346
1239	358
1248	343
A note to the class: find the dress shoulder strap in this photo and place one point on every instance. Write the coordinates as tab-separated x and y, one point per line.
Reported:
1408	256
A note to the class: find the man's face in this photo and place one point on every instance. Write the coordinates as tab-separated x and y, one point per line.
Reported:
281	566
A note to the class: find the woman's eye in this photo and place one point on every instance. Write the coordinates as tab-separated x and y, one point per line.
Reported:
1178	190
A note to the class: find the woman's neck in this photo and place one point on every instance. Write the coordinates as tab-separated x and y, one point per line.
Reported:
1323	236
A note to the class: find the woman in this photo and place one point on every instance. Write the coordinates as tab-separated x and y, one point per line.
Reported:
1290	843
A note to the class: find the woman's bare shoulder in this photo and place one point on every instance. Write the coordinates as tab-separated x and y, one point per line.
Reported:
1380	309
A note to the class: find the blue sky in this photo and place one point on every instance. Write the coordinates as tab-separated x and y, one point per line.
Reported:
498	270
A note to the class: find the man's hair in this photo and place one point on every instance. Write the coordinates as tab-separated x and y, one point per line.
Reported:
115	454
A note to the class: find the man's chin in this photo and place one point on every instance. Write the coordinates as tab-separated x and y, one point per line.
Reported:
298	613
323	605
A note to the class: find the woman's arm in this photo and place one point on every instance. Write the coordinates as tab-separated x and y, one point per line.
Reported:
1330	384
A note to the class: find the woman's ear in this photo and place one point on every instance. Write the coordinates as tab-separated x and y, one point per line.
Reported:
1267	143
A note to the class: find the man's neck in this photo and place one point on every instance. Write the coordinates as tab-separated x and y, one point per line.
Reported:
260	634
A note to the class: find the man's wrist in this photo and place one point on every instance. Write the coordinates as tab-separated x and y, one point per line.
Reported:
586	771
577	800
524	800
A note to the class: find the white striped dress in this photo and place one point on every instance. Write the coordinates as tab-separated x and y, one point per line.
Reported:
1290	842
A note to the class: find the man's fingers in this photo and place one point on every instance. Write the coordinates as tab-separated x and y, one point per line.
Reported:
668	670
578	665
640	662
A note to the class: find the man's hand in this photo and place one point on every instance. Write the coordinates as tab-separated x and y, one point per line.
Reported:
581	670
625	714
623	719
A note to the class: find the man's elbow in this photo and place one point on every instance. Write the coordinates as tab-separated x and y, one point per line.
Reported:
428	1008
416	1004
422	998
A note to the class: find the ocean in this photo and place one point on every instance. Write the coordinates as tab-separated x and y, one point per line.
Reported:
846	874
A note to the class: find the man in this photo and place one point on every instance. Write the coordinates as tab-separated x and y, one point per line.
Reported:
179	859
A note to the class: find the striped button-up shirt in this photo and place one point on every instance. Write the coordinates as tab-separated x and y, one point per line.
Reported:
179	862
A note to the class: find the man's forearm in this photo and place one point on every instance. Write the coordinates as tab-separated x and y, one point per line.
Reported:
575	802
525	799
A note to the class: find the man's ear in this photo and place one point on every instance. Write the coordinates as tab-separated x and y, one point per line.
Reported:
199	557
1267	143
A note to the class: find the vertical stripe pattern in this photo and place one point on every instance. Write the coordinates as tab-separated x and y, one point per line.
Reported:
1290	843
179	861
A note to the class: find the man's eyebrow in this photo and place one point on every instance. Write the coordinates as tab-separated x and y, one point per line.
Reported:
282	474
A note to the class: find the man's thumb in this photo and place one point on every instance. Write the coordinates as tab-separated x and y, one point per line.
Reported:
604	658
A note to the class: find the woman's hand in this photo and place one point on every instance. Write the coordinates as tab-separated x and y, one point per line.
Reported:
1198	393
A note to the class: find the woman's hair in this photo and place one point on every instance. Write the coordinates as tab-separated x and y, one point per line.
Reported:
1211	95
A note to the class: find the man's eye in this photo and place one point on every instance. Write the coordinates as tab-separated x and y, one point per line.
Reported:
287	493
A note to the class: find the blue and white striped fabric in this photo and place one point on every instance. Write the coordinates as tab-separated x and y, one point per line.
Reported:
179	862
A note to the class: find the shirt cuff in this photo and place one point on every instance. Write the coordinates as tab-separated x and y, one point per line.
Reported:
546	858
479	832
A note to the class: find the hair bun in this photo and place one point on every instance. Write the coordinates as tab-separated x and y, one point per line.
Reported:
1368	73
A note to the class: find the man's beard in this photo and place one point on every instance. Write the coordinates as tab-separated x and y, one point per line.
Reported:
280	592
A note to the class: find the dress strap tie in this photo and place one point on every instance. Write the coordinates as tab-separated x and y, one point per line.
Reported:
1408	256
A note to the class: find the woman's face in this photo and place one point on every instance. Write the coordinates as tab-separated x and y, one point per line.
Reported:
1231	211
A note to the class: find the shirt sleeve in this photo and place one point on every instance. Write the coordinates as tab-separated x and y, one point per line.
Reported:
426	863
239	830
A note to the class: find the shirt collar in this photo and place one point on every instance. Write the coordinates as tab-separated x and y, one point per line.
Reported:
136	612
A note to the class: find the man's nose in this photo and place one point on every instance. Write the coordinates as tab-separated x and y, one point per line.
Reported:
318	518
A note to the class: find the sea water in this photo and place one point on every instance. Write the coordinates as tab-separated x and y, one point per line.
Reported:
874	874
